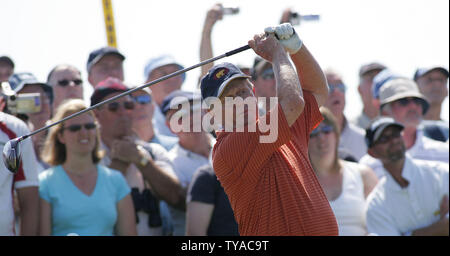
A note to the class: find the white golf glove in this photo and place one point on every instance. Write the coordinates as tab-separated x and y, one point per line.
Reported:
287	36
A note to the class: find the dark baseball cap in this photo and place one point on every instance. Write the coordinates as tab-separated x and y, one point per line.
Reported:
96	55
370	67
178	97
423	71
376	128
7	60
214	83
106	87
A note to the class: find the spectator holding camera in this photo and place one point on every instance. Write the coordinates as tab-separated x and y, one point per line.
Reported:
26	83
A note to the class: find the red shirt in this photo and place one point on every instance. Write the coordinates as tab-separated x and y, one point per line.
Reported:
272	187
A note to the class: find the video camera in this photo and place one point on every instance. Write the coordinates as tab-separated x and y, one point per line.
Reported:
22	103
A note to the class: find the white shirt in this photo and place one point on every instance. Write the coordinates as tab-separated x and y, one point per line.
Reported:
349	207
12	127
136	180
392	210
352	141
424	149
185	164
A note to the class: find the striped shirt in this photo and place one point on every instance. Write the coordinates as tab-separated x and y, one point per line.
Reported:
271	186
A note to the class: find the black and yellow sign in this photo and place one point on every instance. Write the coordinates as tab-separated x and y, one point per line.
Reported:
109	23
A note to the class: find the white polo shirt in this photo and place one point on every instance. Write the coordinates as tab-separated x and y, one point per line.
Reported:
392	210
424	149
352	141
27	176
185	164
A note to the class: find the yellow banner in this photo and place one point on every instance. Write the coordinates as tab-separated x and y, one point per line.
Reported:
109	23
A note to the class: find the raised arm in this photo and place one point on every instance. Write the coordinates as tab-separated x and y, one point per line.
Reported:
206	51
309	72
289	91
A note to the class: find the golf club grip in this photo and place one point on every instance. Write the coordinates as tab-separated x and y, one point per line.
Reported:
238	50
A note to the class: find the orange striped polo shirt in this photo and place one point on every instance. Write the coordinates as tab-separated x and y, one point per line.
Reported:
272	187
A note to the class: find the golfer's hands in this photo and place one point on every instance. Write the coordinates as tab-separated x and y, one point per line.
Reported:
267	46
287	37
127	150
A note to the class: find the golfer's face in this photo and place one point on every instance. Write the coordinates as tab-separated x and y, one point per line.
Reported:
237	89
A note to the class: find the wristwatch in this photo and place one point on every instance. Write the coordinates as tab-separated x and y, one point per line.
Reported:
145	156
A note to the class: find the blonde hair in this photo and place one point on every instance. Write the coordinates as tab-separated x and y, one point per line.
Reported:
54	152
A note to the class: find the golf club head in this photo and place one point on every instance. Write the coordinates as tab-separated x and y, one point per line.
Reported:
11	155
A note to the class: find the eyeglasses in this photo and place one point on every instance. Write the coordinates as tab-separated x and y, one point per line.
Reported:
143	99
341	87
386	138
114	106
77	127
66	82
326	129
267	74
406	101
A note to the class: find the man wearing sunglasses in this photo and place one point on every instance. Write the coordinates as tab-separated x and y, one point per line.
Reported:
400	99
351	142
145	166
66	83
142	120
412	197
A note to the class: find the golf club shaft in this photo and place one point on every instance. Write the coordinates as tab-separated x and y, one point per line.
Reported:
179	72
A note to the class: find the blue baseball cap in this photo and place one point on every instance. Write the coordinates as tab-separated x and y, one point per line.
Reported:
160	61
19	80
214	83
96	55
176	98
380	79
423	71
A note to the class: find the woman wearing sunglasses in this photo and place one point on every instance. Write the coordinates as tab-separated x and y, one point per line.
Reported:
346	184
79	196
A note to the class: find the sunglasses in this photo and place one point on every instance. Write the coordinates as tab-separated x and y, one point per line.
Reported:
66	82
385	139
114	106
406	101
341	87
143	99
326	129
77	127
267	74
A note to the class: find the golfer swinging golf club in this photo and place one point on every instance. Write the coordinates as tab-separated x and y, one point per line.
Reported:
271	186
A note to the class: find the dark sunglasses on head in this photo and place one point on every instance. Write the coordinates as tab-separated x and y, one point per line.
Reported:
77	127
321	129
267	74
143	99
66	82
114	106
384	139
341	87
406	101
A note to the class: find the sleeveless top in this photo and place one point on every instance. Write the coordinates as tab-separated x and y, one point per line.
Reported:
349	207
